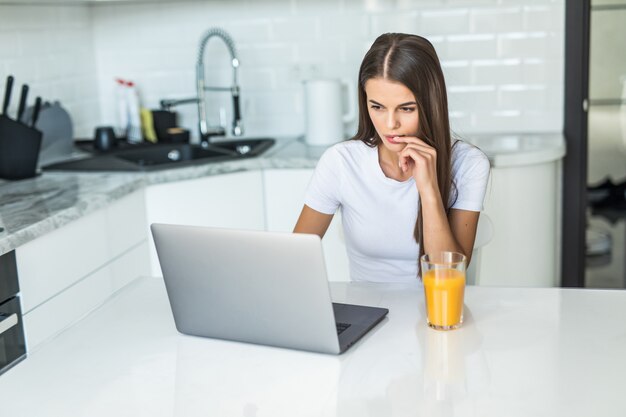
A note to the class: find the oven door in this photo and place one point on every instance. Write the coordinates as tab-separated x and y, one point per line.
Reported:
12	346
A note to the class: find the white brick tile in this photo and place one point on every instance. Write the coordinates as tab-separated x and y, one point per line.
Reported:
294	29
289	77
497	20
344	27
354	52
441	46
543	71
522	97
392	22
317	7
498	121
472	3
524	45
256	79
470	47
9	45
542	121
250	30
319	52
471	97
505	71
457	72
444	22
267	55
28	17
74	17
544	17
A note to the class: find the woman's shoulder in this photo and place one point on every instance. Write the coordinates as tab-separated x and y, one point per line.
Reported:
466	156
463	150
349	150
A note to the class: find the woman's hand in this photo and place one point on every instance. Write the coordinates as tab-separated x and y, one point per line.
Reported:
421	160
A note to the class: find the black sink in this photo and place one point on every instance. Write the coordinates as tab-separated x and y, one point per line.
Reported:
164	156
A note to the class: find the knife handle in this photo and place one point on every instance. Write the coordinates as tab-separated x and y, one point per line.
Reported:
36	111
7	94
22	107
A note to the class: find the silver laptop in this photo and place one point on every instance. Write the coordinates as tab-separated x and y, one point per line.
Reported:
257	287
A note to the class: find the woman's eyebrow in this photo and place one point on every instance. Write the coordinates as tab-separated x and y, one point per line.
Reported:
408	103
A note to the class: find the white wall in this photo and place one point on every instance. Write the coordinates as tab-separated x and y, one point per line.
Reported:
50	48
503	59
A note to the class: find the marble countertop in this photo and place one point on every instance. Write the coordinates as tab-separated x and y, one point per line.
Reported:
31	208
521	352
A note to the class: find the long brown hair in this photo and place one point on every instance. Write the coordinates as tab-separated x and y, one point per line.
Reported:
412	61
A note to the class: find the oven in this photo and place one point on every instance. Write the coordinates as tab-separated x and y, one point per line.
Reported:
12	344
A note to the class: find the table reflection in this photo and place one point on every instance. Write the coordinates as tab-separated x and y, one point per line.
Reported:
454	366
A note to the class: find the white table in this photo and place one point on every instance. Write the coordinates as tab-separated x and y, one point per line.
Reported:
521	352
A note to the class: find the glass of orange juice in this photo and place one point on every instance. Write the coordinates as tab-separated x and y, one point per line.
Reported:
443	274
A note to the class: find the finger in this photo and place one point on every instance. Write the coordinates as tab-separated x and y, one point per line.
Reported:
415	141
410	155
410	139
426	154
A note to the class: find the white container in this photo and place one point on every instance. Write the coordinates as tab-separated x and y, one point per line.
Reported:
325	116
134	121
121	104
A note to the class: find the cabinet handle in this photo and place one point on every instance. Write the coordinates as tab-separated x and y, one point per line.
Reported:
7	322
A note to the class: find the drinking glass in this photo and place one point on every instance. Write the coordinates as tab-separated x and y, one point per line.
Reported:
443	274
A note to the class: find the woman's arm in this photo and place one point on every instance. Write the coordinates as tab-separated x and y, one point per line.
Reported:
312	222
455	232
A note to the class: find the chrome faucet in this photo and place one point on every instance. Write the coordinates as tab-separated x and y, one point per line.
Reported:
206	131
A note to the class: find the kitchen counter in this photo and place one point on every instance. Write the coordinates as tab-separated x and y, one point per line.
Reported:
521	352
31	208
34	207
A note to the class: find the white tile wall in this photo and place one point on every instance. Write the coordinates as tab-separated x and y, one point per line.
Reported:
50	48
503	59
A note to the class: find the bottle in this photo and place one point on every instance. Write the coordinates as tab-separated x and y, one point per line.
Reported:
134	120
121	126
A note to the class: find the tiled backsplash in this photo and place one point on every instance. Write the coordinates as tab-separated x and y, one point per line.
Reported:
50	48
503	59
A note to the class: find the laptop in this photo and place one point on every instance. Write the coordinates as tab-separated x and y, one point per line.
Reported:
267	288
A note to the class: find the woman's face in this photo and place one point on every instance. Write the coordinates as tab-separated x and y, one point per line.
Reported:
393	111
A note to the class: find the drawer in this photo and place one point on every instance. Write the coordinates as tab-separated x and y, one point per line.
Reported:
8	276
53	262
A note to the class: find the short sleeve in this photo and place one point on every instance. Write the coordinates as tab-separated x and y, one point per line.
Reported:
323	192
470	173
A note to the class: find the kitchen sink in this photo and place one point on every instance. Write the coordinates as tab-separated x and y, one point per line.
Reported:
148	157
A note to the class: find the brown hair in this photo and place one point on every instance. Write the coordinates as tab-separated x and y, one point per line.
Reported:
412	61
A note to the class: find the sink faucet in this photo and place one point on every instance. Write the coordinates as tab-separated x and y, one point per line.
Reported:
206	131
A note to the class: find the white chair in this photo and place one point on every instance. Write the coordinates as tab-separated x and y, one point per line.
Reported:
484	234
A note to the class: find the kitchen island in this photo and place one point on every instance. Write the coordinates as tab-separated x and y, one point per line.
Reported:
521	352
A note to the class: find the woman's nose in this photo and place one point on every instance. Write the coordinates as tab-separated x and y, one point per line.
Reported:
392	121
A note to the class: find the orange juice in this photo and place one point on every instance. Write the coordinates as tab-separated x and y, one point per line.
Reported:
444	289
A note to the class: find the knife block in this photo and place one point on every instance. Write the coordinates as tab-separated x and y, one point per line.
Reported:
19	149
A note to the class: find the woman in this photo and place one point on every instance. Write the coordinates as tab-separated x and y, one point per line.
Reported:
403	187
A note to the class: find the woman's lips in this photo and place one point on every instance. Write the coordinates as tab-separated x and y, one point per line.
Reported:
390	139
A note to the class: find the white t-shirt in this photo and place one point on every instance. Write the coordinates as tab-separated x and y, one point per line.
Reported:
379	213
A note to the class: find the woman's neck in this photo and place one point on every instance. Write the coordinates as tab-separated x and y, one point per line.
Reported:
388	162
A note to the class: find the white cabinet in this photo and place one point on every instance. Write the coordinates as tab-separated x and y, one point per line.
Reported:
228	200
284	198
522	202
66	273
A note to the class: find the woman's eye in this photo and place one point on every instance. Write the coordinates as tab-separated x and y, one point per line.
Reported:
375	107
407	109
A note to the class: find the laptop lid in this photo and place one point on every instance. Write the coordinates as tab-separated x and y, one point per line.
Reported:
249	286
